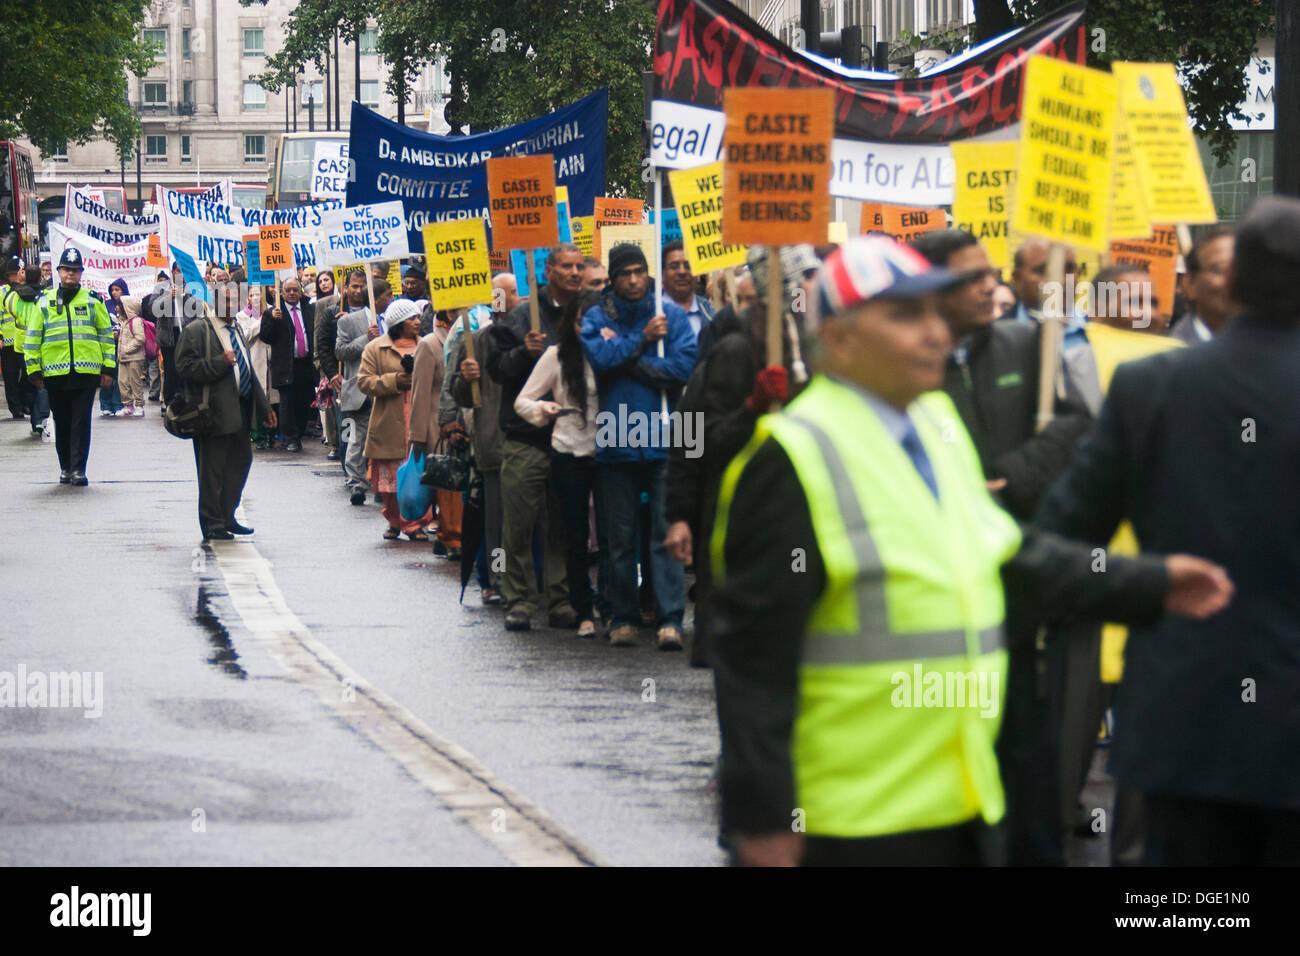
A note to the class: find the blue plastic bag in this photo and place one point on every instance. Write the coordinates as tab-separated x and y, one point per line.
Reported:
413	498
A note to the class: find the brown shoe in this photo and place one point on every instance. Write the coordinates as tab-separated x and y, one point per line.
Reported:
670	638
624	636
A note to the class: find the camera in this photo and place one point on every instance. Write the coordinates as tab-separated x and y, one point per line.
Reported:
408	363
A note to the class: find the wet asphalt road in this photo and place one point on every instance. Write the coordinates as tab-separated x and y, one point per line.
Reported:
211	749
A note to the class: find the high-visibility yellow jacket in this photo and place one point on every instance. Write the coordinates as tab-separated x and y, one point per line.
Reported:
8	321
890	733
76	338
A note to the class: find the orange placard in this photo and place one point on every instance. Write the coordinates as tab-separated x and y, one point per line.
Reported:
153	255
777	168
275	247
499	261
905	223
521	194
871	218
1159	255
614	212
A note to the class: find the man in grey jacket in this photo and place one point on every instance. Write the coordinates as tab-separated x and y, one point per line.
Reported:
355	331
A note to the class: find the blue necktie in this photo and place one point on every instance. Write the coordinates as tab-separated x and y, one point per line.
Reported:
916	451
245	373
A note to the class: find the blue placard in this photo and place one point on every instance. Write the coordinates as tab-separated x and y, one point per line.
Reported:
253	264
519	266
671	231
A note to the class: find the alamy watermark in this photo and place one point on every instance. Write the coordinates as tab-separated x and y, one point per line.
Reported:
638	429
936	688
64	689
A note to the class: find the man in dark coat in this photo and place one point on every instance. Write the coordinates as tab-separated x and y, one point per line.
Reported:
289	331
213	353
1197	448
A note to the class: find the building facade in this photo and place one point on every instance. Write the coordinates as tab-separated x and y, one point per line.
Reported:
204	115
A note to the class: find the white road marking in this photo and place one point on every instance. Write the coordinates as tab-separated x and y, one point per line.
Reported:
508	820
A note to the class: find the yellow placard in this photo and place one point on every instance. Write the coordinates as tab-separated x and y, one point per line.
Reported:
642	236
1067	150
838	233
698	195
777	168
456	256
1128	210
981	191
1168	165
584	233
612	211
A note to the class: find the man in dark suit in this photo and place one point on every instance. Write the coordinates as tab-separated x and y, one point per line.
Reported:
289	331
1197	448
212	352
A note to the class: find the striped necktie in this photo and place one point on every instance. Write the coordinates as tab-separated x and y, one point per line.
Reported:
245	373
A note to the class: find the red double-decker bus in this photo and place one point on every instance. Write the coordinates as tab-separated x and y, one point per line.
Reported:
20	225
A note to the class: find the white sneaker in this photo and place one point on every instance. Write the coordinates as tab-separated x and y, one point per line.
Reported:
104	413
139	411
122	413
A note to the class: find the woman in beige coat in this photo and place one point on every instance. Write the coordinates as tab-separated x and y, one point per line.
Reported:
384	377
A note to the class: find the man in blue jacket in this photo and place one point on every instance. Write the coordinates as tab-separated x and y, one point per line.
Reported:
622	336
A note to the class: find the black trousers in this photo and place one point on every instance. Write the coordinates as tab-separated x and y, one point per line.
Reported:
961	845
222	463
12	364
296	399
71	397
171	380
574	479
1189	831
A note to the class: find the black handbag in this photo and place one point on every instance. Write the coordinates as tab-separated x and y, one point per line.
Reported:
185	419
448	470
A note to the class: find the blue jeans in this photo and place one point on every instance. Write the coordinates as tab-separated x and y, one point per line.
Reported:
110	399
40	407
618	495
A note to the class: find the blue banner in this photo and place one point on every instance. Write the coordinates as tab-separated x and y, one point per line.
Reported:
438	178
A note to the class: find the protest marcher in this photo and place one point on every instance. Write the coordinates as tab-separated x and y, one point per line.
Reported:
728	391
326	295
212	352
131	356
564	373
328	307
110	399
1124	297
249	321
1172	455
529	497
1205	286
428	375
153	365
621	336
594	276
991	377
69	351
356	330
47	272
415	285
386	376
505	291
1029	272
171	306
1004	300
482	425
289	331
865	480
679	285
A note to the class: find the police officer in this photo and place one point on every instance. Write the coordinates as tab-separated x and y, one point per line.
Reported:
70	351
858	647
17	301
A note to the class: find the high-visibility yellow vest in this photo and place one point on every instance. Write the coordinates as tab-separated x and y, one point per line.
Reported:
75	338
913	597
8	321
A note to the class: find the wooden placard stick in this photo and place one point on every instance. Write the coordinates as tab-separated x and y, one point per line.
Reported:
1052	334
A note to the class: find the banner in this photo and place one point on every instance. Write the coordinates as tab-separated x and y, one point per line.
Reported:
83	214
891	134
362	234
214	232
441	178
105	262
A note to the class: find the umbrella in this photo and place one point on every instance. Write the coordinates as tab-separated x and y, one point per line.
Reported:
471	527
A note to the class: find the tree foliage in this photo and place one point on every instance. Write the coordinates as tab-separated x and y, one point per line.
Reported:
65	76
509	60
1211	43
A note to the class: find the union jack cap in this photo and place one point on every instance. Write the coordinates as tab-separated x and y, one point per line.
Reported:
869	267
